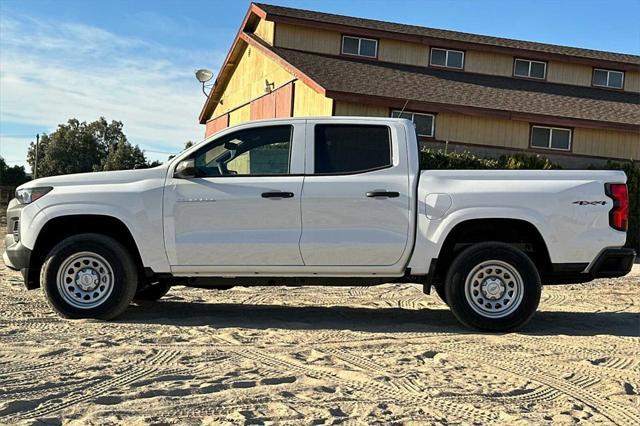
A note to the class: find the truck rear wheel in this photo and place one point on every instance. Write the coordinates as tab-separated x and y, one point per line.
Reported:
493	287
89	276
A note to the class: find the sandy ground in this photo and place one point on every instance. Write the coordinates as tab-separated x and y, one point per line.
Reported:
320	355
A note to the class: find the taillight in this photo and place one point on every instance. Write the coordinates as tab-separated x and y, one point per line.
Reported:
619	214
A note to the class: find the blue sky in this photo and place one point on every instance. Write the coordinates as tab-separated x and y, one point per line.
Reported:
133	61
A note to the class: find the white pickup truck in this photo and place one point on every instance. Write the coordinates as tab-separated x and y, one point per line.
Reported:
335	201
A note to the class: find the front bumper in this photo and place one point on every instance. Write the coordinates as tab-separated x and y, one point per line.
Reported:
16	255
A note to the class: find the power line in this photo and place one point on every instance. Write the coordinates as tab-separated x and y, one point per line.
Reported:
16	135
158	152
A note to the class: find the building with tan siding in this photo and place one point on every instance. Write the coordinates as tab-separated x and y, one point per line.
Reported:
485	94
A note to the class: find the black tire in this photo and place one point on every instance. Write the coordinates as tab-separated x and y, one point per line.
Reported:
466	301
122	282
152	292
440	291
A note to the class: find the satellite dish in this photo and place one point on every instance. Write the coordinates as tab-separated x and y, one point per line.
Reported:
203	75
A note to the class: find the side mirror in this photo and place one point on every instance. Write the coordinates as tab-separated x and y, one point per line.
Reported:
186	169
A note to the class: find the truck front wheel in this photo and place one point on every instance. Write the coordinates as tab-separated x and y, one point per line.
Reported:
89	276
493	287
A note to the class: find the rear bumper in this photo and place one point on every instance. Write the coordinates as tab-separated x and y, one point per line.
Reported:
610	263
613	262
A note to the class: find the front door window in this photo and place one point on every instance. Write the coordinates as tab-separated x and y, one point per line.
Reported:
249	152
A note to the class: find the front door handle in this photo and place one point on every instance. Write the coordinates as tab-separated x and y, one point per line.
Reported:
387	194
277	194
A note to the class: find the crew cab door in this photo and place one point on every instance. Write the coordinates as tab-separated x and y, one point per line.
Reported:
356	194
242	207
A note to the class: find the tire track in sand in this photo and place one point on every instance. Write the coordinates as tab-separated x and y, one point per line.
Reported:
444	408
121	378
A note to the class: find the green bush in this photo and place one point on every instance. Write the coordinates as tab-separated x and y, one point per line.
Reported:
526	162
431	159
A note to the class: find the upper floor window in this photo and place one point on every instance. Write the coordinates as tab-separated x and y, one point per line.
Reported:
608	78
529	69
424	122
254	151
447	58
349	148
551	138
360	46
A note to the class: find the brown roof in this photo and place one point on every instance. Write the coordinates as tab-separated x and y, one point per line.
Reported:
345	77
390	27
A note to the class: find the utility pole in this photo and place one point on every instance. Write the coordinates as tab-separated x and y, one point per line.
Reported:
35	166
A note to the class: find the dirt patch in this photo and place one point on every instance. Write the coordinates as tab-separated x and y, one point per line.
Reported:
320	355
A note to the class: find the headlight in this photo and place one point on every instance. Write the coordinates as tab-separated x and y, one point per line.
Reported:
29	195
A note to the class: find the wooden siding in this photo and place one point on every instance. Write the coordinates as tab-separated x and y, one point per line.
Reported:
567	73
349	108
403	53
265	30
482	130
215	125
308	103
606	143
308	39
248	80
274	105
632	81
488	63
240	115
515	134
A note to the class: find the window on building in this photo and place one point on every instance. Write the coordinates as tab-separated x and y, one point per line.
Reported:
530	69
551	138
447	58
346	148
424	122
255	151
608	78
360	46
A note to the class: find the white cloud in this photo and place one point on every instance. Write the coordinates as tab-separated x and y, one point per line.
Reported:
52	71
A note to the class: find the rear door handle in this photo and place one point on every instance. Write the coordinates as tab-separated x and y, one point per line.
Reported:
388	194
277	194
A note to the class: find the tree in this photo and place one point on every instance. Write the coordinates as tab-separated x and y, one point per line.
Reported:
124	156
77	147
187	145
12	176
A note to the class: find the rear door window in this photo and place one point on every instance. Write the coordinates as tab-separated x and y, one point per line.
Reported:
347	148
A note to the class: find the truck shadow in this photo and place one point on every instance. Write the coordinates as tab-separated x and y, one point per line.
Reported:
380	320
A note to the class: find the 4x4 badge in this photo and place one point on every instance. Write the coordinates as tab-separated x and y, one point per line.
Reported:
590	203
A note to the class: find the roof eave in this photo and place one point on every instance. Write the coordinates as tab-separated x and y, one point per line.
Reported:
241	41
253	11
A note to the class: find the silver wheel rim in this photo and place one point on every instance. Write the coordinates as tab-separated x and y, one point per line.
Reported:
494	289
85	280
